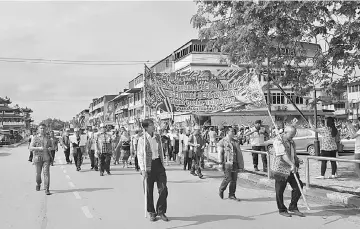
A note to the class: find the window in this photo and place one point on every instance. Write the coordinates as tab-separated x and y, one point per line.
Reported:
167	63
303	133
339	106
278	98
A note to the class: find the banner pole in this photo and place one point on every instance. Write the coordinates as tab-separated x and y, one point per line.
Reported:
145	153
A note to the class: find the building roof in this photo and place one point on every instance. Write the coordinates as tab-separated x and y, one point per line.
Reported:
134	90
120	96
6	108
5	101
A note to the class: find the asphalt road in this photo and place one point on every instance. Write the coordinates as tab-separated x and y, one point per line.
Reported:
86	200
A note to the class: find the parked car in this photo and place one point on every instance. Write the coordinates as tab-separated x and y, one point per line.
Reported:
305	139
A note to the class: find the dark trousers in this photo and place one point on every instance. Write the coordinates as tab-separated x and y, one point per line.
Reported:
136	163
280	185
78	157
93	159
52	153
104	162
67	155
196	165
325	153
187	160
230	177
31	156
255	156
157	174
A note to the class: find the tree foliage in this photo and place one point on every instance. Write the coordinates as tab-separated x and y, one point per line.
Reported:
255	33
55	124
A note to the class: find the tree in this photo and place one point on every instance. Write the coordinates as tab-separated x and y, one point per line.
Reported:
258	34
54	124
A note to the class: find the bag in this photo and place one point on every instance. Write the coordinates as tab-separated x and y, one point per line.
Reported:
279	168
126	145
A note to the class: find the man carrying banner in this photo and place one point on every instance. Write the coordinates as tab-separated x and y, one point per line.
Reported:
151	163
231	158
197	146
284	165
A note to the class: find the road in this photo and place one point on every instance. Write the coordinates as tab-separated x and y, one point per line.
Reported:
86	200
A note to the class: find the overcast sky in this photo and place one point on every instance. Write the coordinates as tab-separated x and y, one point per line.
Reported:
123	31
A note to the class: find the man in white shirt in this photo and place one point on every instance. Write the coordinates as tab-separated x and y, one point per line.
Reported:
185	149
75	143
257	134
151	163
91	148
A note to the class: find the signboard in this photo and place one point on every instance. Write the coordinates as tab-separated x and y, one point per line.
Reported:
204	91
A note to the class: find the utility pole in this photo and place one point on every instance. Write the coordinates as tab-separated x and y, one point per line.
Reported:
317	142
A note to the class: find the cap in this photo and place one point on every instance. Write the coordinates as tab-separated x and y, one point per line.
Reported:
258	121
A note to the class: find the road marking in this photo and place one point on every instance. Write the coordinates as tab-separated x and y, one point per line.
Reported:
86	212
64	171
77	196
71	184
68	177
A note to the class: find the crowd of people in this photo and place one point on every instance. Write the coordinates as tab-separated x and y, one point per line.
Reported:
151	153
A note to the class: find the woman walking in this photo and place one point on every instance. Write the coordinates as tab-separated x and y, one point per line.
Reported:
329	145
116	149
124	145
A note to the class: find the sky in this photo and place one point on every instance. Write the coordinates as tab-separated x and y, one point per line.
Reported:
119	31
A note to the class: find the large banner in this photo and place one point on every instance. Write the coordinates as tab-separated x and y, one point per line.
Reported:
204	91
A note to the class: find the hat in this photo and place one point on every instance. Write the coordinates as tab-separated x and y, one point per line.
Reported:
258	121
76	129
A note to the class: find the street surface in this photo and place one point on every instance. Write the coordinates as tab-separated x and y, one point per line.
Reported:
86	200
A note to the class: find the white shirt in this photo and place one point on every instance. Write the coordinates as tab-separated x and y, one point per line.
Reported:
185	140
153	145
212	135
83	140
256	138
280	150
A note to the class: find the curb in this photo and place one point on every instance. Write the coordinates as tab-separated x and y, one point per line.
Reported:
349	200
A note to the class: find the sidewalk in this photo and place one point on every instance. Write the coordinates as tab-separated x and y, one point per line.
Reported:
16	144
344	189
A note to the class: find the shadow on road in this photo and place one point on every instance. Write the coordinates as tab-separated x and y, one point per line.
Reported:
333	210
80	190
263	199
185	181
4	154
201	219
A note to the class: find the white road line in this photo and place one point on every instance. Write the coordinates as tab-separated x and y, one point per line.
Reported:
64	171
77	196
68	177
86	212
71	184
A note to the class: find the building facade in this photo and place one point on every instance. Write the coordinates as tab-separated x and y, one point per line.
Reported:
353	98
14	118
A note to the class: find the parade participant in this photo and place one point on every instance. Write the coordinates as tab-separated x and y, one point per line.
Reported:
187	164
212	135
166	145
31	152
257	134
329	145
92	148
197	145
231	159
124	145
65	143
179	151
104	150
54	146
83	142
135	139
286	163
151	163
116	149
41	146
75	141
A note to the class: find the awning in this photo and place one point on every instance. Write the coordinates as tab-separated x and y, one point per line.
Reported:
134	90
119	96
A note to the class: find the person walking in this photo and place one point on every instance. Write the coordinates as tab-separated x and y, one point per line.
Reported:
92	148
104	150
257	135
54	146
187	164
138	134
286	164
41	146
232	162
124	145
65	143
329	145
151	163
197	146
166	146
116	149
31	152
75	149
